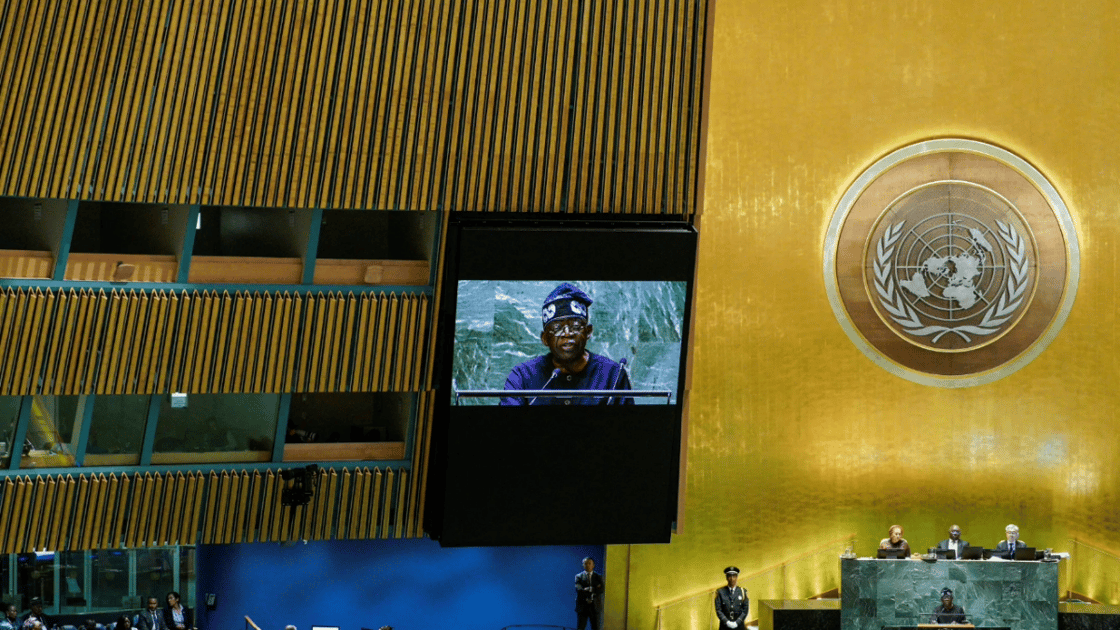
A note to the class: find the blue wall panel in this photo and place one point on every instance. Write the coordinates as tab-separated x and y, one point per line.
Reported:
408	584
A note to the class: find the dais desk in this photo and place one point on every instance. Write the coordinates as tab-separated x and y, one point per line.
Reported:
903	593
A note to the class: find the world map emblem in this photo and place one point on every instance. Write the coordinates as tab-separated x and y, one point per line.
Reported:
952	266
951	263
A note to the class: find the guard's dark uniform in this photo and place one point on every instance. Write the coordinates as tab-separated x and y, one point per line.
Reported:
732	604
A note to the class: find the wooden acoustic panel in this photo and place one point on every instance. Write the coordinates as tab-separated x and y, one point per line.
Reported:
15	263
529	105
108	511
67	342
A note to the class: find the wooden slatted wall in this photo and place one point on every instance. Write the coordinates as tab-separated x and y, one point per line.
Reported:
141	342
98	511
499	105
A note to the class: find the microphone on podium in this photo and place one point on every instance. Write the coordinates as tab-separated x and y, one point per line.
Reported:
555	373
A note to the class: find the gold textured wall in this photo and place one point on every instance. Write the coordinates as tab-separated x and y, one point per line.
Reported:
796	439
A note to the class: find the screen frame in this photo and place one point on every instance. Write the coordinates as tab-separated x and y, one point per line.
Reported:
609	248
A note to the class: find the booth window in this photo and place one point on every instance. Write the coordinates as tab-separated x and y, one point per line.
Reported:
215	428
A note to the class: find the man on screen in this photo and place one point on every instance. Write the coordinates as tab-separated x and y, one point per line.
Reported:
568	364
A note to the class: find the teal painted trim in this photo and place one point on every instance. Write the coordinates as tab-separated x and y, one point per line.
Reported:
21	433
87	402
188	244
396	465
67	238
244	288
150	430
312	253
281	427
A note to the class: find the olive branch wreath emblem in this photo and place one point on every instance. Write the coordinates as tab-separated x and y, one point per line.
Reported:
903	314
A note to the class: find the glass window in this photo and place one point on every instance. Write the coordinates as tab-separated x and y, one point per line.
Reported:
35	578
72	582
9	417
109	582
53	431
110	576
117	433
217	428
155	574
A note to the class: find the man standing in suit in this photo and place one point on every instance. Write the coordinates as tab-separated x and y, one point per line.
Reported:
589	596
152	617
732	603
1007	548
954	541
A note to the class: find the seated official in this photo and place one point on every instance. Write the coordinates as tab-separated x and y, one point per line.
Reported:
947	612
954	542
895	540
568	364
1006	548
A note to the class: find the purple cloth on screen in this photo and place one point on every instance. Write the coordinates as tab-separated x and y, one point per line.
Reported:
600	373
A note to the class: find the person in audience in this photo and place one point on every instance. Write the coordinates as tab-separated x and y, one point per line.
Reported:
37	618
151	618
90	624
732	603
947	612
589	596
954	541
895	540
124	622
11	618
568	365
176	616
1006	548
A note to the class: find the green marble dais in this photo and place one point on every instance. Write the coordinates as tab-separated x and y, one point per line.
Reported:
884	593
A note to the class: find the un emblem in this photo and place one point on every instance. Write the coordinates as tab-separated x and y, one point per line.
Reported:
951	263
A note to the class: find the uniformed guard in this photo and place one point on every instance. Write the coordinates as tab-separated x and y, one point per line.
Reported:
732	603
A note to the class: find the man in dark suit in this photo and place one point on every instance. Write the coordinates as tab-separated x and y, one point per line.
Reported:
732	603
954	541
151	618
1006	548
589	596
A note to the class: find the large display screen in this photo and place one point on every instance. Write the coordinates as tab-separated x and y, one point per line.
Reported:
629	333
562	361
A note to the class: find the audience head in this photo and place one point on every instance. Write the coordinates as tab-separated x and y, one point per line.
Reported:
173	599
123	623
153	603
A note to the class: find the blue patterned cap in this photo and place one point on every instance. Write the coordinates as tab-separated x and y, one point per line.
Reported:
566	300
